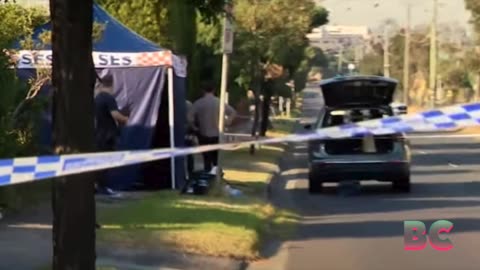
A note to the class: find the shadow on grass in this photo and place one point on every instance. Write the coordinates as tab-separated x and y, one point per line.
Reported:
17	197
267	154
210	226
283	125
250	188
205	225
168	211
251	173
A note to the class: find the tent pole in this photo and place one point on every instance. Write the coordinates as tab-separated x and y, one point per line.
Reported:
171	117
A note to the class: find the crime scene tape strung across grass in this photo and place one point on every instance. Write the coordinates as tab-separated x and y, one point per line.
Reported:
21	170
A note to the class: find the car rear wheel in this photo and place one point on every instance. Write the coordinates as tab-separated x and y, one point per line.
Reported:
402	185
313	185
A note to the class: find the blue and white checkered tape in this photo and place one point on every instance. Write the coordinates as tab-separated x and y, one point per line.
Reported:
21	170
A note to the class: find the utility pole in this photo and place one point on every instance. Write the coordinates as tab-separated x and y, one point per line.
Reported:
340	60
227	50
357	55
386	49
433	54
406	58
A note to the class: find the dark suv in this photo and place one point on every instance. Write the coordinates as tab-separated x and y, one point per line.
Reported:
382	158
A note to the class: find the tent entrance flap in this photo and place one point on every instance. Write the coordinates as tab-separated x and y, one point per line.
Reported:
158	174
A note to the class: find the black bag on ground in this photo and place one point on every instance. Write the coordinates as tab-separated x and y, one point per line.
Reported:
199	183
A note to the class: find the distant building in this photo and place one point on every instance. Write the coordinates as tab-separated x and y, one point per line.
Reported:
333	38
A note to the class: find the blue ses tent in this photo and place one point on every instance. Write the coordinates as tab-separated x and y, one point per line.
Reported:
149	83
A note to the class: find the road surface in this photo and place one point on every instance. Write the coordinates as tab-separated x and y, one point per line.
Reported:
365	232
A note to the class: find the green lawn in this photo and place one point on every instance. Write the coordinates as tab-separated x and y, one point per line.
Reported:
208	225
18	197
211	226
217	226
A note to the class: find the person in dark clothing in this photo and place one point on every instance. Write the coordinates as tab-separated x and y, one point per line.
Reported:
108	118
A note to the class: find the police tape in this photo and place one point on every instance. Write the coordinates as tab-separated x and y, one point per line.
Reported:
241	137
28	169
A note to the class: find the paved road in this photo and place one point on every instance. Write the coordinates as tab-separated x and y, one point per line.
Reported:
365	232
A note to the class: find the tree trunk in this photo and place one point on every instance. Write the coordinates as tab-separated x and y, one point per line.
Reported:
182	31
73	80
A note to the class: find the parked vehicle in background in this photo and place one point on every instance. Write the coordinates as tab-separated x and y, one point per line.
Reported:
383	158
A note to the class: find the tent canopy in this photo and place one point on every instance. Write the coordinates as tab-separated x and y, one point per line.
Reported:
139	68
118	47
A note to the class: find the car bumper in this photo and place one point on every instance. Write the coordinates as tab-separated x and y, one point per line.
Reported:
325	171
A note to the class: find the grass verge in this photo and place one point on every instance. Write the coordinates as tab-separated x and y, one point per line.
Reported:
19	197
284	125
217	226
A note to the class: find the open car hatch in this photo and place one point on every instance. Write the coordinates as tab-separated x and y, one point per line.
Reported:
358	91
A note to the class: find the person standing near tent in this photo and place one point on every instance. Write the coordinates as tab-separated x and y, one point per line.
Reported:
190	137
108	118
206	112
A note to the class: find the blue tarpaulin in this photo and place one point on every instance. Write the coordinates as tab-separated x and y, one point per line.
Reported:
140	90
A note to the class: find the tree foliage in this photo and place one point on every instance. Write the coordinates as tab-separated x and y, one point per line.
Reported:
474	7
15	22
146	17
267	34
455	61
16	135
171	24
273	32
319	17
474	62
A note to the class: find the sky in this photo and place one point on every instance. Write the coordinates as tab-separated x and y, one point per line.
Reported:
362	12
